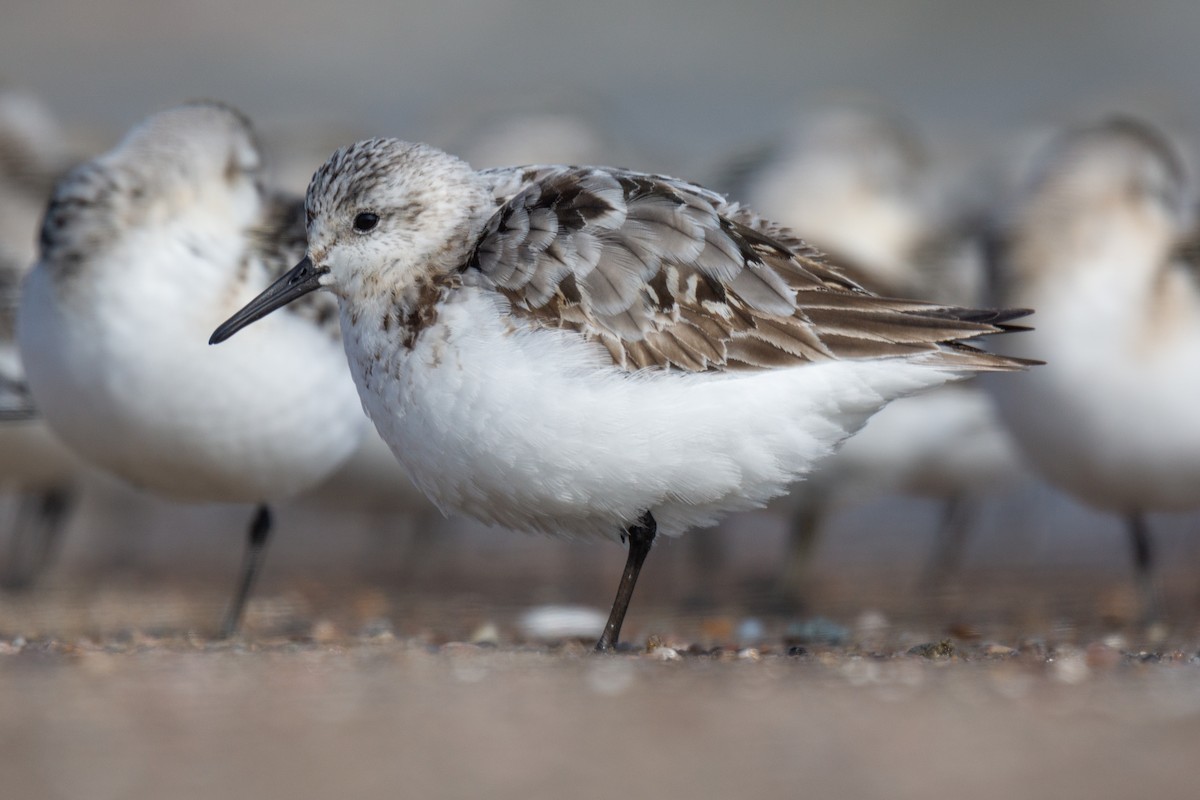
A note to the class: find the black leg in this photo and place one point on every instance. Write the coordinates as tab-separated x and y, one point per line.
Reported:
256	543
36	534
641	537
1143	562
950	541
792	588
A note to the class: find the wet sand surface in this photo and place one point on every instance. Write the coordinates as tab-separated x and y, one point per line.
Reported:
356	719
336	688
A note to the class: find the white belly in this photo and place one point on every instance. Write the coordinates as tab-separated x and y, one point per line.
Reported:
536	430
1113	417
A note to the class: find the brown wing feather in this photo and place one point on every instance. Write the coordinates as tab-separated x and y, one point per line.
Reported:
667	274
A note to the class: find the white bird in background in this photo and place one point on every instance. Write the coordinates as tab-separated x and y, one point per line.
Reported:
144	249
545	137
597	352
857	184
37	472
544	126
1101	239
34	153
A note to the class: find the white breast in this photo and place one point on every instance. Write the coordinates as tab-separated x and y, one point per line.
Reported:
1112	417
119	365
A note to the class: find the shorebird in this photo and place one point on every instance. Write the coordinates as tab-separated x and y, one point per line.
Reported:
142	250
859	184
597	352
1102	238
37	472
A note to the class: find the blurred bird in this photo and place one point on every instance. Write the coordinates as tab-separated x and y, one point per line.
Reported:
857	184
544	126
35	468
596	352
143	249
546	137
1102	240
37	472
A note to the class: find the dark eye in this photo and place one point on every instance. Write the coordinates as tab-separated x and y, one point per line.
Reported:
365	221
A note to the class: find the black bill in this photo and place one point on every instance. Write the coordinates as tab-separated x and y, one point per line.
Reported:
295	283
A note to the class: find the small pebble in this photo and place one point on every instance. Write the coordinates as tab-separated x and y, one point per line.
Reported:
486	634
663	653
934	650
1070	667
995	650
749	654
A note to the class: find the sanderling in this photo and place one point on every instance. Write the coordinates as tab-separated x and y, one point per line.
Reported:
35	468
1101	238
597	352
859	184
36	472
857	179
142	250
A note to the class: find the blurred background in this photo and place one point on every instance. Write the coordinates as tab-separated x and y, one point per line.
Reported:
667	87
715	92
685	83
